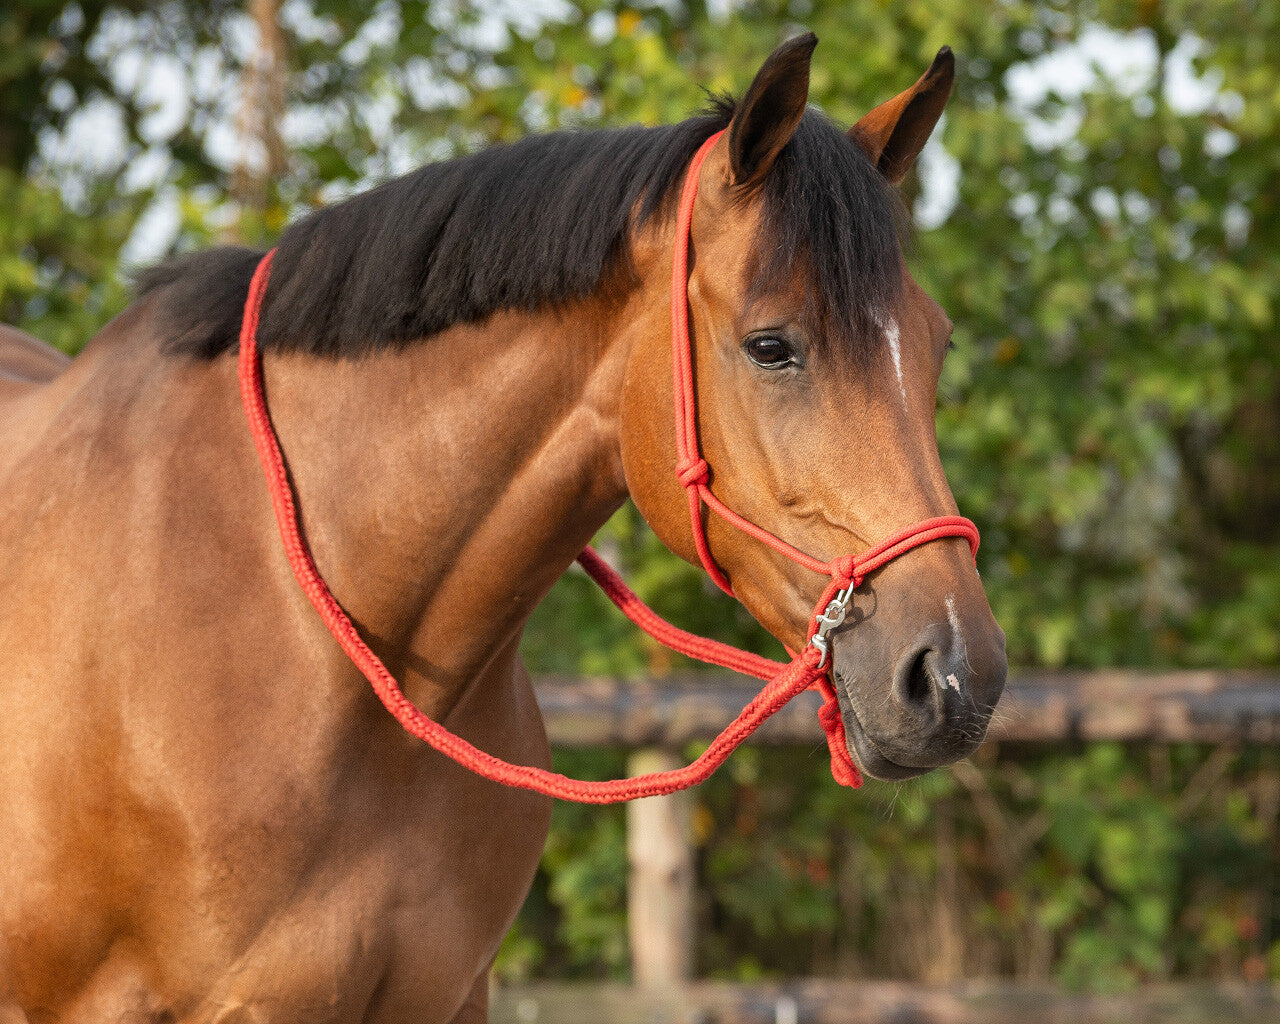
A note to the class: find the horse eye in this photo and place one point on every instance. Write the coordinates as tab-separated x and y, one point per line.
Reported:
768	352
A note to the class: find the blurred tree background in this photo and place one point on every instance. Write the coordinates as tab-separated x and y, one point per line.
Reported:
1098	215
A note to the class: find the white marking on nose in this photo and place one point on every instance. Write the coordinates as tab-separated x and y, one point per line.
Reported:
957	636
893	336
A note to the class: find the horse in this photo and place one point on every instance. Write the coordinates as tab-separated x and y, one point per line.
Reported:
27	360
207	815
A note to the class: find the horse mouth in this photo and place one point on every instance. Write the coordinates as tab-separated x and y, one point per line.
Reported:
869	757
865	751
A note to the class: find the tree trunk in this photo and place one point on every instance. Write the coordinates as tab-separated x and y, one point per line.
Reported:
262	153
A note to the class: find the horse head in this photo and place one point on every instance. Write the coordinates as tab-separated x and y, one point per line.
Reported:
816	360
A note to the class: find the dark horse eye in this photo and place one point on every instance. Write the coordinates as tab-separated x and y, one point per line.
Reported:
769	352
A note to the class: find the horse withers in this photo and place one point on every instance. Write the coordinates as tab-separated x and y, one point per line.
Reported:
207	815
27	360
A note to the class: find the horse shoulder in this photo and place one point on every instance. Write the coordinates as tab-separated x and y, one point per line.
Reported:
393	868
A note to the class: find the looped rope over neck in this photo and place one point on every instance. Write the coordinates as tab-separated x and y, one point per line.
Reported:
782	681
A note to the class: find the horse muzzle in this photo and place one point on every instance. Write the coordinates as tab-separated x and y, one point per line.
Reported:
920	708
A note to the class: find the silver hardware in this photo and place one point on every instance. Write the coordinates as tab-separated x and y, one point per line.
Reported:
837	608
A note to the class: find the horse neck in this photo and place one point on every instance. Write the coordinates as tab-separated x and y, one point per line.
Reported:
445	486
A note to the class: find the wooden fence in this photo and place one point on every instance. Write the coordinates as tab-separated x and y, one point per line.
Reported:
816	1001
1037	707
657	718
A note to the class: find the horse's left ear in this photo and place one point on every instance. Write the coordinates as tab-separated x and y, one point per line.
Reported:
893	134
768	115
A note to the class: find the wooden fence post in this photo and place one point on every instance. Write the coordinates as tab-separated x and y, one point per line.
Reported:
660	890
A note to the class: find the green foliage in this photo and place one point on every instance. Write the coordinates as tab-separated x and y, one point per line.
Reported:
58	275
1100	868
574	922
1114	376
577	630
44	41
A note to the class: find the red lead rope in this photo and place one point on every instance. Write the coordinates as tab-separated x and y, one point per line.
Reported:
783	681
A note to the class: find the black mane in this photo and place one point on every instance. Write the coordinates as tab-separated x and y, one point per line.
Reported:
542	221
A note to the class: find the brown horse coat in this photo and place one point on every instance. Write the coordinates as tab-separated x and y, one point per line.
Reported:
27	360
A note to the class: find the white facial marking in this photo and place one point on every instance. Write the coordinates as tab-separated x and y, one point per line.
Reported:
892	335
957	637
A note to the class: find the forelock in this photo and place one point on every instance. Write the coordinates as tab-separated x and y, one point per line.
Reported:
828	215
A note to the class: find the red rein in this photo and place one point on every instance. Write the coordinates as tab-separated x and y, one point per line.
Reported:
783	681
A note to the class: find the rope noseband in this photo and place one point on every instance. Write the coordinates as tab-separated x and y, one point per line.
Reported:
782	681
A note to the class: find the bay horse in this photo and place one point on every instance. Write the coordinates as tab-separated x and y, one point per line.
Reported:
206	815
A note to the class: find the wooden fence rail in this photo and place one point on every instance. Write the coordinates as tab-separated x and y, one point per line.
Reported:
813	1001
656	718
1037	707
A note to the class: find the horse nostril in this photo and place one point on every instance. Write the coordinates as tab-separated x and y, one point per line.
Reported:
914	683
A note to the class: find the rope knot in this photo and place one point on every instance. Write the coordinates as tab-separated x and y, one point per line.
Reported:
693	472
842	571
829	715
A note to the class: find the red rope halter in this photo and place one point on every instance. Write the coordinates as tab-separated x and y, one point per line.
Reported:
783	681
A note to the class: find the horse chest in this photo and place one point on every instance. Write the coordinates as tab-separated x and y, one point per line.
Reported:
246	873
402	911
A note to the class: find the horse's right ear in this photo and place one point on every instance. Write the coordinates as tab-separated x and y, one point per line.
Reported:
893	134
768	115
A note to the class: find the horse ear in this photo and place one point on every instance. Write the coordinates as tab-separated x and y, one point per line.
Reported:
893	134
768	115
